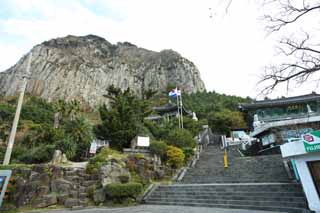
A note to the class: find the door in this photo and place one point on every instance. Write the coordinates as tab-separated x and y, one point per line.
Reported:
314	167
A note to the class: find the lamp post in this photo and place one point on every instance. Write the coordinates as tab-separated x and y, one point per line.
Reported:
17	115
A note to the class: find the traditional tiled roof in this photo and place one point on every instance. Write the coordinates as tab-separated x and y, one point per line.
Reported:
170	107
281	101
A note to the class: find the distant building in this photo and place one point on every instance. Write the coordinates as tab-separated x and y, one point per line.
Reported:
168	111
277	121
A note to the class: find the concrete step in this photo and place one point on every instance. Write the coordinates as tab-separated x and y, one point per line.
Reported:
230	206
232	202
239	196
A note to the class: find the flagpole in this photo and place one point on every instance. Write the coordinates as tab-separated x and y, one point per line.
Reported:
178	111
181	110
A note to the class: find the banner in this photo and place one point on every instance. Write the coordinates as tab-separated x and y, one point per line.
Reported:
311	141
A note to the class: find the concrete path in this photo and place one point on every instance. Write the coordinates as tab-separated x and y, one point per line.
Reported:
156	209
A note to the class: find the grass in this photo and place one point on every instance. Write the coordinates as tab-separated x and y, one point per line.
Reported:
15	166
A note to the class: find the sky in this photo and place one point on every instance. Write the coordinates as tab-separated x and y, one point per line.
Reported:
230	48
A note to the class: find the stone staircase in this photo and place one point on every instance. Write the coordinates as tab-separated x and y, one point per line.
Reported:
210	168
255	183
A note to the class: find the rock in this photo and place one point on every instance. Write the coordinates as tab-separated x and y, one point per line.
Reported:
84	202
75	179
82	67
71	202
82	189
62	198
88	183
34	176
99	196
44	179
82	196
57	172
43	190
143	169
23	172
74	194
45	201
160	174
111	173
58	158
62	186
40	168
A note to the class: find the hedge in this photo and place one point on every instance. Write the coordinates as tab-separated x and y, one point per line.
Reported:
119	191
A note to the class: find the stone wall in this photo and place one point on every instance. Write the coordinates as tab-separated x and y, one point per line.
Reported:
46	185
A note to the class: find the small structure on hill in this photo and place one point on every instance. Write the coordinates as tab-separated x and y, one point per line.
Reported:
168	111
277	121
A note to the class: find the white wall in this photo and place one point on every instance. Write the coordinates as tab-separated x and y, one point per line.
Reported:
306	179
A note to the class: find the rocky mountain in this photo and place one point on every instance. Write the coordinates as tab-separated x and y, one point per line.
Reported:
83	67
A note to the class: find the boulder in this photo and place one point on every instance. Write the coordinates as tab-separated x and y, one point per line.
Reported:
58	158
160	174
43	190
57	172
144	169
45	201
62	186
62	198
71	202
111	173
99	196
44	179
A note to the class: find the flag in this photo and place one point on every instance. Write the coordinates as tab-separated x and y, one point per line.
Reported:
175	92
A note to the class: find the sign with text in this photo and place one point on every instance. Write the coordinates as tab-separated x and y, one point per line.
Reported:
311	141
93	148
4	180
143	141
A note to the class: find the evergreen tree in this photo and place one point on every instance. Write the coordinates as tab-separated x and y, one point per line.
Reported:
123	120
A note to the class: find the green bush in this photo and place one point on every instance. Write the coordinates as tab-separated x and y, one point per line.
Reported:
124	178
181	138
101	159
188	152
223	121
39	154
67	146
159	148
175	157
120	192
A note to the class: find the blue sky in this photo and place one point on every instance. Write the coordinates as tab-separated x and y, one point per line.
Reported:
230	50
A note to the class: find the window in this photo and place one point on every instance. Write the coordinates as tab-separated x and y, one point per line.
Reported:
268	139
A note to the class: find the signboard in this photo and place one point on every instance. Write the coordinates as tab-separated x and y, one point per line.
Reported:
143	141
311	141
4	180
93	148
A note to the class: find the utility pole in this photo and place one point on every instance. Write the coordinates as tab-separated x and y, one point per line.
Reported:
17	115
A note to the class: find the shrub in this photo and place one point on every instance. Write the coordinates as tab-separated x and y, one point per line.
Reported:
101	158
175	157
67	146
40	154
159	148
124	178
139	156
123	191
188	152
181	138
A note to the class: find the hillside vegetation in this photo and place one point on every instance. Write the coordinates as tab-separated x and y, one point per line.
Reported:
45	126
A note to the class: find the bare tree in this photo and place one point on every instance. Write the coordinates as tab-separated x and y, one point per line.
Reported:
302	57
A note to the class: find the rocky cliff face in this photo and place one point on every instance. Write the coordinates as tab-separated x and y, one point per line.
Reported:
83	67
